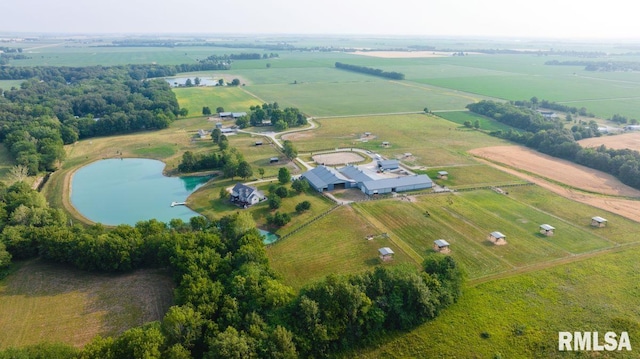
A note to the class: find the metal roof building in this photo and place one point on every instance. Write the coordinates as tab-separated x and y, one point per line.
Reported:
325	178
399	184
388	165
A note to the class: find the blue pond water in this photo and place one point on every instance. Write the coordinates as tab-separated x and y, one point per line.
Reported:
125	191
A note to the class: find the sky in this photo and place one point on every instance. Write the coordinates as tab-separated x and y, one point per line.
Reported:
504	18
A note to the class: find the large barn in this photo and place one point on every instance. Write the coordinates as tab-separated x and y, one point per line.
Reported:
324	178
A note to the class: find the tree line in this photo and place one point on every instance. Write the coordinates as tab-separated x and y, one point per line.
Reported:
228	301
371	71
555	140
603	66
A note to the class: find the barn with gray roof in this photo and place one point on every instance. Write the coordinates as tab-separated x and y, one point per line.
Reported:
324	178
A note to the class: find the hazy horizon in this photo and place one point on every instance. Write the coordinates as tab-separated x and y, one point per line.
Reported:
544	19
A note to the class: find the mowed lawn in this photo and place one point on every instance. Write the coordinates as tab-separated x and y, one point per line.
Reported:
465	220
43	302
431	140
335	244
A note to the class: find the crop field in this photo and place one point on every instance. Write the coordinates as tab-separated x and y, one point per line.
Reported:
629	140
364	97
432	141
44	302
340	247
232	99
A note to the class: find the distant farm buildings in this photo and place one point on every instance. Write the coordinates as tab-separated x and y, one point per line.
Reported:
386	254
324	178
632	128
442	246
548	114
598	222
232	115
497	238
547	230
388	165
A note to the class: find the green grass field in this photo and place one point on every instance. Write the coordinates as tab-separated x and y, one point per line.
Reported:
43	302
432	141
521	316
232	99
486	124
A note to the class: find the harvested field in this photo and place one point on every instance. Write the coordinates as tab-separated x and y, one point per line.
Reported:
556	169
338	158
627	140
522	159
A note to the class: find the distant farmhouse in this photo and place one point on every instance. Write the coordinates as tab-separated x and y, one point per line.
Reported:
245	196
324	178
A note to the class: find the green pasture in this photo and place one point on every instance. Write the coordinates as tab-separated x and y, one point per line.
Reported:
472	175
258	156
431	140
371	96
520	317
618	230
302	76
466	219
7	85
233	99
336	243
486	124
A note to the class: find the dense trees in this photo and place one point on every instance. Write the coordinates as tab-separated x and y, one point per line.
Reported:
273	115
371	71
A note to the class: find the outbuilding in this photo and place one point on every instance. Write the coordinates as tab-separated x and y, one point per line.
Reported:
386	254
443	174
388	165
442	246
547	230
274	160
598	221
497	238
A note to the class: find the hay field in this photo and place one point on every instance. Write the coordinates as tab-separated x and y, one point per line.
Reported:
562	171
629	140
46	302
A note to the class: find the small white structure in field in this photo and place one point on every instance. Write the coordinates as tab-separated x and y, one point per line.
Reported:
547	230
598	221
386	254
497	238
442	246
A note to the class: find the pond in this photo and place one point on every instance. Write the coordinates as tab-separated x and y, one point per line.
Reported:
125	191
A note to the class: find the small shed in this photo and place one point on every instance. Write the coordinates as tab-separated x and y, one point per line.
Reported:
442	246
443	174
274	160
219	125
598	221
497	238
258	143
386	254
202	133
385	143
547	230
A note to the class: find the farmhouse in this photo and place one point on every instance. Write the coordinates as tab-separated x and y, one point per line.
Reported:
443	174
386	254
245	195
547	230
598	221
442	246
388	165
497	238
324	178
